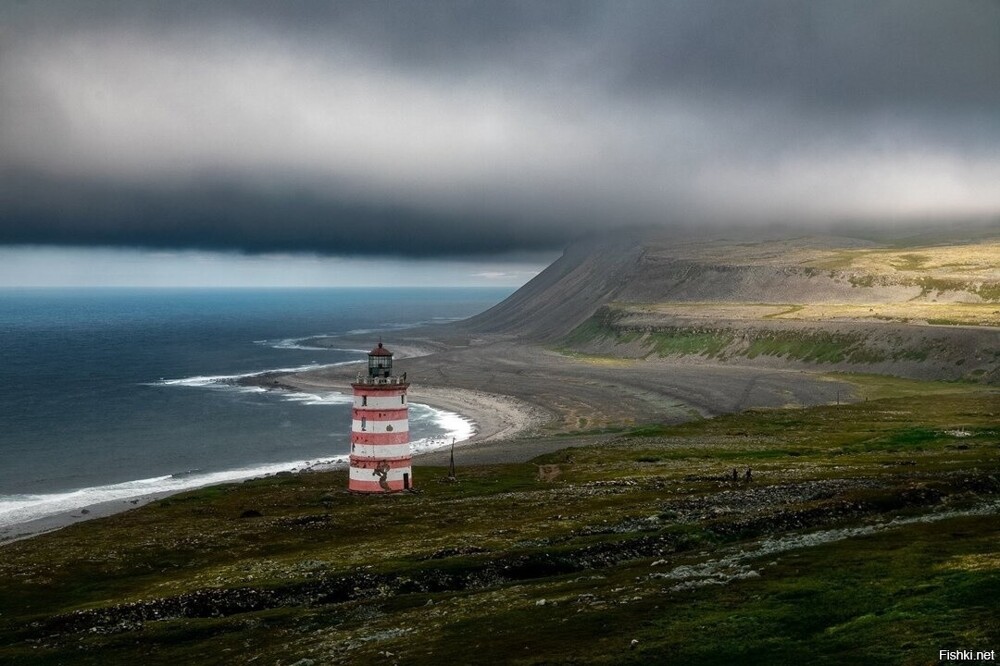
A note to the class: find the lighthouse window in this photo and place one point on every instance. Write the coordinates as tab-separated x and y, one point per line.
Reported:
402	399
364	422
364	401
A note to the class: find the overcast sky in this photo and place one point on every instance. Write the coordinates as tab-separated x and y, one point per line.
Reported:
468	131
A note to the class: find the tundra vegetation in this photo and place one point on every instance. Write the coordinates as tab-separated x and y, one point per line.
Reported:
866	534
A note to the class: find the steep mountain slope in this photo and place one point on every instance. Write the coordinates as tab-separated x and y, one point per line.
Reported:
589	274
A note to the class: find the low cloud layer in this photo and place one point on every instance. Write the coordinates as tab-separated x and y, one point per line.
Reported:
465	128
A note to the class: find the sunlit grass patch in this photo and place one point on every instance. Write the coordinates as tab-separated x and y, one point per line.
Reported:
973	562
875	387
598	360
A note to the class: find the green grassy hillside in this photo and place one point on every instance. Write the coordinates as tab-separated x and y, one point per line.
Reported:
867	535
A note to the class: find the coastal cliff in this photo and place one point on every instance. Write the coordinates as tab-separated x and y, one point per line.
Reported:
929	311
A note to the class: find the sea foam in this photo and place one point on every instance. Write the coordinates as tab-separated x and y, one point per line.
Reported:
455	426
228	381
19	509
303	344
24	508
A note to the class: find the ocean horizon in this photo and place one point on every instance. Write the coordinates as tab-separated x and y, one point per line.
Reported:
113	393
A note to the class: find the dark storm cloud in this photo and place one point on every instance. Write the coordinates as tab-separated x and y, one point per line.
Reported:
446	128
839	55
221	216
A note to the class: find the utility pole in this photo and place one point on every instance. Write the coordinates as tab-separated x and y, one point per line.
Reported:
451	467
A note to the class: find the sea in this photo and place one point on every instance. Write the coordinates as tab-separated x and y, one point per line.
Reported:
109	394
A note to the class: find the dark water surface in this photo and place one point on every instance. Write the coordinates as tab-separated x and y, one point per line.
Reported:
106	392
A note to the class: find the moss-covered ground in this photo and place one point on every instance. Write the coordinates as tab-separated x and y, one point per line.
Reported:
867	534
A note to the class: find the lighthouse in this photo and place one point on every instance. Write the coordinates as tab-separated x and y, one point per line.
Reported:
380	431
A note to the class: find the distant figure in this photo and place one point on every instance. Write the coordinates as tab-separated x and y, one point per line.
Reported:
748	477
736	475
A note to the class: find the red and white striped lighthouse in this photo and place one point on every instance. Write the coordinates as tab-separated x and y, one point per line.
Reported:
380	428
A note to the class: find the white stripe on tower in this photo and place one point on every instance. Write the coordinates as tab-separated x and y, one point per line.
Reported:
373	425
379	402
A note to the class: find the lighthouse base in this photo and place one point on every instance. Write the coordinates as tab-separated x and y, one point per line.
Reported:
380	477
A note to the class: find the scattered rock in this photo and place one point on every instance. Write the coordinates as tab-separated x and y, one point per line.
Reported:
313	521
452	552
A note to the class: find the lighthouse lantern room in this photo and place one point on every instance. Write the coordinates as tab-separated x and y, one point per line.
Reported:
380	432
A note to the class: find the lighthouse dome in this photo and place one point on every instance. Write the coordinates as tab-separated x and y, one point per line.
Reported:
380	351
379	362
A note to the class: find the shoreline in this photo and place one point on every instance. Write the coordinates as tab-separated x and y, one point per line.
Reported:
489	418
495	416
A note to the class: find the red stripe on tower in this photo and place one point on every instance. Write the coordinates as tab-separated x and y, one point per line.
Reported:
380	432
376	414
